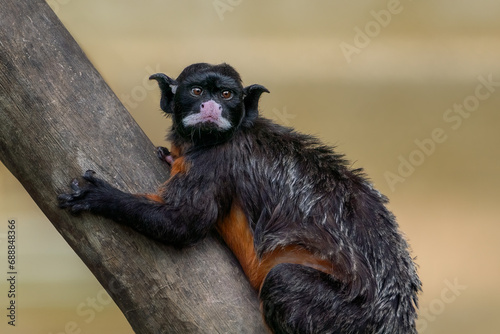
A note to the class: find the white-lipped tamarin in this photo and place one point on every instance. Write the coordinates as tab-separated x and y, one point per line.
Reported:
312	235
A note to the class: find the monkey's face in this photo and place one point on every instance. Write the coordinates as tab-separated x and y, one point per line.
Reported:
208	104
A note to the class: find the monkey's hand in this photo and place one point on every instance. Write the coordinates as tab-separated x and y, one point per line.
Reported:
164	155
95	196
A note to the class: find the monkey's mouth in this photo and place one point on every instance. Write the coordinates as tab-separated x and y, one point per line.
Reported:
207	117
203	121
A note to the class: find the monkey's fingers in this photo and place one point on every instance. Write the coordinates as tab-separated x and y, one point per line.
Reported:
164	155
64	200
70	200
89	176
94	182
75	200
77	191
75	186
75	205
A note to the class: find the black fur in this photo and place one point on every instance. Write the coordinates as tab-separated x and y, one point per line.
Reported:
294	191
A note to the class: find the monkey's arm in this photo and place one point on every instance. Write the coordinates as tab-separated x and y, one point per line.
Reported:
180	219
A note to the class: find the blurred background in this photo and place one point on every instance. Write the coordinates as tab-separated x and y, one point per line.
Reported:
408	90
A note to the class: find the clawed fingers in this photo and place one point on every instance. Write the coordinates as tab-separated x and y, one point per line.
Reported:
75	186
75	199
89	176
87	195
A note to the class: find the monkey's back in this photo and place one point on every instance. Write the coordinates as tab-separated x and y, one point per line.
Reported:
297	191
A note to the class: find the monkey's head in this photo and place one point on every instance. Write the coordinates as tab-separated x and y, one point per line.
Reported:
208	102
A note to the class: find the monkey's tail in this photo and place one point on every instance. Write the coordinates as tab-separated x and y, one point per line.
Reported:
299	299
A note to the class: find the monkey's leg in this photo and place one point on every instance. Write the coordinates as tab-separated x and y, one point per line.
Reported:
300	299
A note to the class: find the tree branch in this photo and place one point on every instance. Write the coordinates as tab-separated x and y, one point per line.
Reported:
58	118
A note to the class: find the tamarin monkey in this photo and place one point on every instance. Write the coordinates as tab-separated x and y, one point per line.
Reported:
312	235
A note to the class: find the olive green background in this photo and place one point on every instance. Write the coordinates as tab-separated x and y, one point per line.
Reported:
381	80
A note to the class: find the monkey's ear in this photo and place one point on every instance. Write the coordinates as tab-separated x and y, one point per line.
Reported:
251	100
168	88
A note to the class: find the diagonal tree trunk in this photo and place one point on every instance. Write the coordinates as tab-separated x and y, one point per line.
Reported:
58	118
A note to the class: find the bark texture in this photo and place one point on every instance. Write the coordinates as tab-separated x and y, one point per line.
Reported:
58	118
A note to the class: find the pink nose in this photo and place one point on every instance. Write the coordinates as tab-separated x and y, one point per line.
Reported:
211	107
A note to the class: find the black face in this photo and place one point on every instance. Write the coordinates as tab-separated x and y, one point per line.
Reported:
208	102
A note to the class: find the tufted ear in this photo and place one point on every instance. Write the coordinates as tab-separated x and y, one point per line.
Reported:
251	100
168	88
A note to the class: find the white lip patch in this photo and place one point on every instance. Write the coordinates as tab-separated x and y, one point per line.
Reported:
210	112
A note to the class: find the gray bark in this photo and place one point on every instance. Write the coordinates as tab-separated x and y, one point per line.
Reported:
58	118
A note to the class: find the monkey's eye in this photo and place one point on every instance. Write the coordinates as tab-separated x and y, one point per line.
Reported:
226	94
196	91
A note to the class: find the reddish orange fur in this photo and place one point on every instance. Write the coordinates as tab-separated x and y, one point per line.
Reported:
154	197
236	233
175	151
180	165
